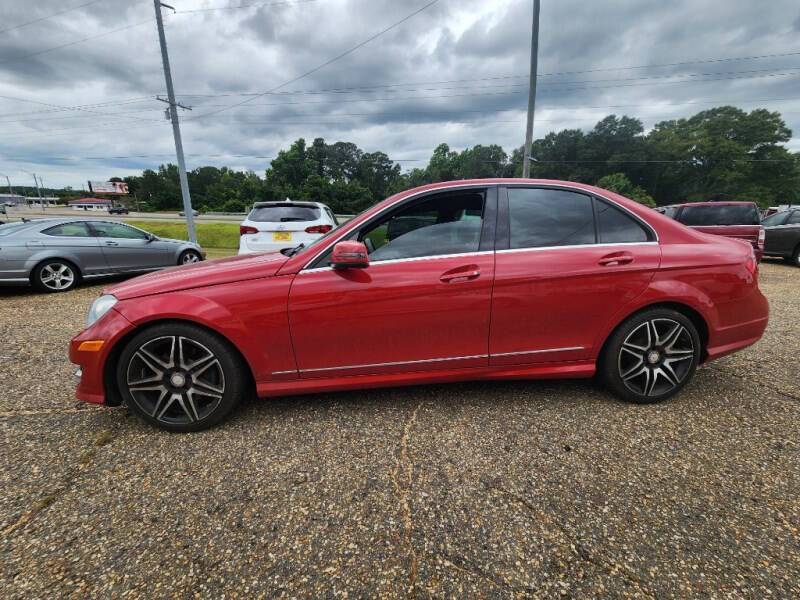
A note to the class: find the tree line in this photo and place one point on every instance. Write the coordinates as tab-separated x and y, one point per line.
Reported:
723	153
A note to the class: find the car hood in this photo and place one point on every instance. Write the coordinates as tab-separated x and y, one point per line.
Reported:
211	272
173	241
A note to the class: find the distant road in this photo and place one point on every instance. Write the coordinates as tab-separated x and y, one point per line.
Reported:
17	213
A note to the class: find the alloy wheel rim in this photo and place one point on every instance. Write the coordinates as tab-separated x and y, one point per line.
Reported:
190	257
656	357
176	380
57	276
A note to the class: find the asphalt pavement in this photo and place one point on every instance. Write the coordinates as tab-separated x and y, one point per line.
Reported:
515	489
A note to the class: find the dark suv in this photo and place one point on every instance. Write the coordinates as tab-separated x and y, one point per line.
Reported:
732	219
118	210
783	235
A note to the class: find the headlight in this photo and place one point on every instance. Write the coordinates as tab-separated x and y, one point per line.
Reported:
100	307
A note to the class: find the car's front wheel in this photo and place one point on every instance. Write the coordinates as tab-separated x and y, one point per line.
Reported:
180	377
189	256
651	356
55	275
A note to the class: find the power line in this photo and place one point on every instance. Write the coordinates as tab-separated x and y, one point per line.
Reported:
85	108
75	42
675	64
327	62
58	106
50	16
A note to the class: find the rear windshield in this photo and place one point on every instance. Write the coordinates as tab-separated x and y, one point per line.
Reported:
725	214
284	213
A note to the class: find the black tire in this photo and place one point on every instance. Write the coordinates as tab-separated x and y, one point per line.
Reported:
188	257
796	257
55	275
650	356
188	378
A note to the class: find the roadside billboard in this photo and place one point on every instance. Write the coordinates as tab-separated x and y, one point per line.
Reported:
108	187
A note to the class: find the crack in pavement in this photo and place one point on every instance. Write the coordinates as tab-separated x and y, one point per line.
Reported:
403	493
463	566
575	546
103	439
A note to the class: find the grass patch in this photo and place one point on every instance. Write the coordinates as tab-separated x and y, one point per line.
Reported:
209	235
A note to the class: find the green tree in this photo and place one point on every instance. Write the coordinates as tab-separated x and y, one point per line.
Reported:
619	183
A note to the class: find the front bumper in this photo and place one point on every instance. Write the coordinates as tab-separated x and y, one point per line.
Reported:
91	365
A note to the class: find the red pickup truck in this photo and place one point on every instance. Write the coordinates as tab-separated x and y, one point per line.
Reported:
732	219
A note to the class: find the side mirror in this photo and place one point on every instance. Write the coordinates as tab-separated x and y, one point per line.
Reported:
151	237
349	255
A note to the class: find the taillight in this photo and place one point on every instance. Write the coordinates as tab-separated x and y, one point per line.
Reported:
752	264
762	236
247	229
319	229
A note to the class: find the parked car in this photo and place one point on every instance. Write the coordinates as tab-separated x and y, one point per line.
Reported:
55	254
195	213
740	220
118	210
501	279
783	235
272	226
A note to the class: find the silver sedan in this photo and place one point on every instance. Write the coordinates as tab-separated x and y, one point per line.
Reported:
55	254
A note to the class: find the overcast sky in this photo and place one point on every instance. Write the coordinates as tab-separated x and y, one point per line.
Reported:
455	73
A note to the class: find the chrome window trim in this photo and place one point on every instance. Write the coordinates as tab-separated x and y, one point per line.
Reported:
394	364
393	261
393	205
575	246
572	348
639	219
590	193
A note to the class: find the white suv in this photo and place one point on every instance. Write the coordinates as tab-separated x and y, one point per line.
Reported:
273	226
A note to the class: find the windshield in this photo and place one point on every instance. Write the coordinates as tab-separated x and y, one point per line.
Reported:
10	228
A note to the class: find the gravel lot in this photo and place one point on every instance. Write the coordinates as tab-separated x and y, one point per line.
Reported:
531	489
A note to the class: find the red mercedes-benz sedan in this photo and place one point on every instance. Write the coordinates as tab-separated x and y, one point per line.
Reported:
481	279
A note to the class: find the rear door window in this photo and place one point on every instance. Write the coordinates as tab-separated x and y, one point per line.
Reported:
69	230
794	219
724	214
284	213
540	218
614	226
118	231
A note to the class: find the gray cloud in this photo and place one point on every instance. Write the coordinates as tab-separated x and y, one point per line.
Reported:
217	55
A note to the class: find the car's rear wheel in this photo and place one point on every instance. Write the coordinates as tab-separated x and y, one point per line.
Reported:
180	377
55	275
189	256
651	356
796	257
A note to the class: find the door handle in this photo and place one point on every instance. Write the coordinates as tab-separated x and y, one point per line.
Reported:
616	259
451	276
112	244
